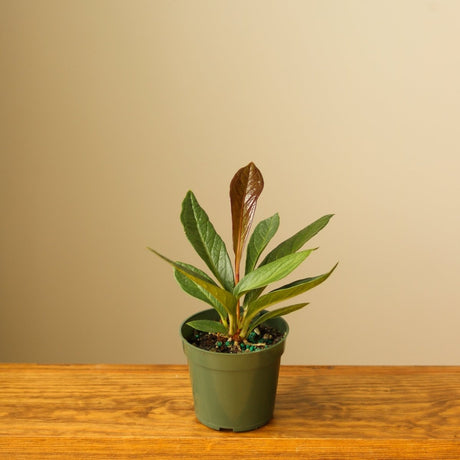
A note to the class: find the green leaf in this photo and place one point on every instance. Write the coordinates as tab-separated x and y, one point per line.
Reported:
206	325
207	243
271	272
245	189
225	298
263	233
295	242
275	313
289	246
195	290
286	292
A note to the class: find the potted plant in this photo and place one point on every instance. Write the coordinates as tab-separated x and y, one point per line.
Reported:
234	348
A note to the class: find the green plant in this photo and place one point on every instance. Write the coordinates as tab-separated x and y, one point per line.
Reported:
238	299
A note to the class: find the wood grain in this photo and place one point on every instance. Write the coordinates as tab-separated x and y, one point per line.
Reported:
131	411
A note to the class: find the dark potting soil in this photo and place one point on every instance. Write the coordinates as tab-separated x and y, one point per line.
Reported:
262	337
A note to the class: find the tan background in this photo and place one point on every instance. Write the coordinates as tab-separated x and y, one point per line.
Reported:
112	110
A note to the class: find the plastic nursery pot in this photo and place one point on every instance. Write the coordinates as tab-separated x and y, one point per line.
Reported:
234	391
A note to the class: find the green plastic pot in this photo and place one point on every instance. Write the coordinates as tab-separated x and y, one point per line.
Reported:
233	391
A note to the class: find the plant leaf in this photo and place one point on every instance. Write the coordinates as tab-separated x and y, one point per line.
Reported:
245	189
263	233
271	272
206	325
195	290
276	313
295	242
225	298
286	292
289	246
207	243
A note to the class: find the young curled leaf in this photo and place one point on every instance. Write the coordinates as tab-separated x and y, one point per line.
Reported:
245	189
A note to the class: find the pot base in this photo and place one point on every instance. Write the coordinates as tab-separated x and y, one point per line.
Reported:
238	429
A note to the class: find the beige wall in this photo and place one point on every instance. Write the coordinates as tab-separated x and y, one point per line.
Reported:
111	110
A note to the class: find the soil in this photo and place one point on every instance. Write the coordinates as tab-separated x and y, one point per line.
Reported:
262	337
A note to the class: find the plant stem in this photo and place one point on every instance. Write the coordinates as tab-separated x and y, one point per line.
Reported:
237	279
231	326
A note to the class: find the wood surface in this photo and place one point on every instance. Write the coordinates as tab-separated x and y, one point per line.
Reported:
137	412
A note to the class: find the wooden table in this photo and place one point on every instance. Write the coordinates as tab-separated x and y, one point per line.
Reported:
138	412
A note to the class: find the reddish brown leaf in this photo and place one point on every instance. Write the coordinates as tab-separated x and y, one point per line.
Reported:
245	189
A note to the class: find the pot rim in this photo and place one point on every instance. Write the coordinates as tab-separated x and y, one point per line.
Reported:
272	348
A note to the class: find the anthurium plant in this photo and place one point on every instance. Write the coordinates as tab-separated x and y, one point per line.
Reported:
238	297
